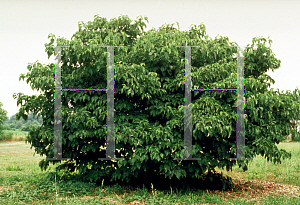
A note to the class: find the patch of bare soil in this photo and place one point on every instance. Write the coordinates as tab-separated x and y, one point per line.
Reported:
252	190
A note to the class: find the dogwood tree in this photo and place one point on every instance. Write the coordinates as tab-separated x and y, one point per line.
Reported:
149	101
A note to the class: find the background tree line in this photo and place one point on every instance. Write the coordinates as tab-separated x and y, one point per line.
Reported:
22	125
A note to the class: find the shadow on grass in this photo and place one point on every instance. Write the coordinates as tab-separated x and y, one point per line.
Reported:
209	181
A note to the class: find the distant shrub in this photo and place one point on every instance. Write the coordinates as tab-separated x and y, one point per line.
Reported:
9	135
1	131
6	136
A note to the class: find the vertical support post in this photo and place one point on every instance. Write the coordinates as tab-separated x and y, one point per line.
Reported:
188	105
240	124
58	108
188	130
110	141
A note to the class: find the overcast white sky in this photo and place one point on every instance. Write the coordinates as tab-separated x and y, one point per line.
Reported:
25	26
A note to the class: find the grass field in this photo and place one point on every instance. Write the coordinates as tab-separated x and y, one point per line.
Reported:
22	182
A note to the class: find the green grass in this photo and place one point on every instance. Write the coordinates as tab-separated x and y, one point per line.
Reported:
22	182
288	172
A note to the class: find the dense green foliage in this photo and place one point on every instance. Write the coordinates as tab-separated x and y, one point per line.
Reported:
149	101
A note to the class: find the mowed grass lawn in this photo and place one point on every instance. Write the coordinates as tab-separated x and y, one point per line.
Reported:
22	182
